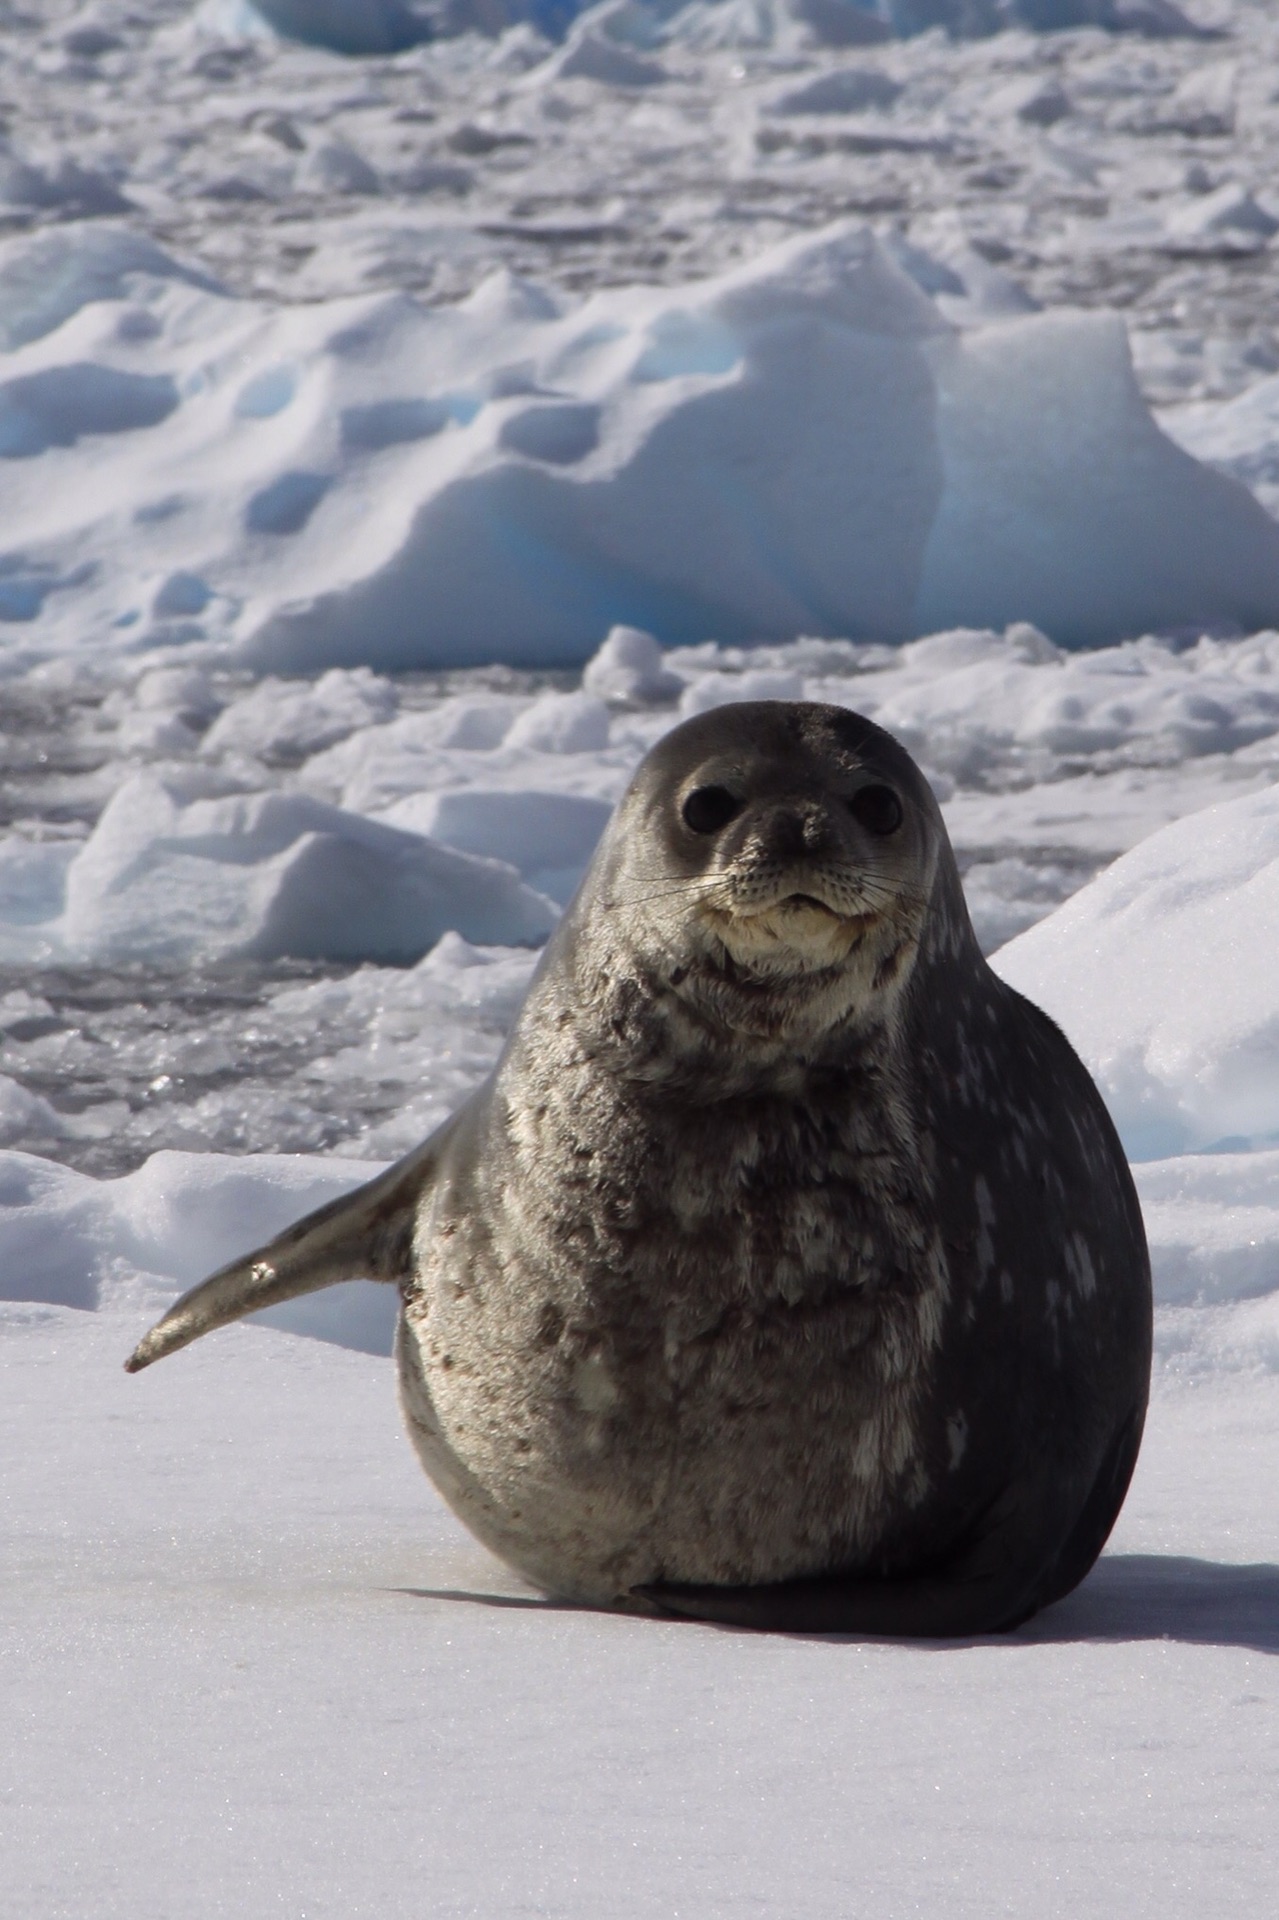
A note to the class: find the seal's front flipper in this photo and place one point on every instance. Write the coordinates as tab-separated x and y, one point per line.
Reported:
365	1235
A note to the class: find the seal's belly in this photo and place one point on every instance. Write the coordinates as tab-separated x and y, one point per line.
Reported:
758	1449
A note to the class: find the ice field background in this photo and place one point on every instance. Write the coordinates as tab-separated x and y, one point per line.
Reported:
407	414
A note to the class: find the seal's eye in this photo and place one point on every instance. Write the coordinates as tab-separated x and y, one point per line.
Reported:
877	809
707	809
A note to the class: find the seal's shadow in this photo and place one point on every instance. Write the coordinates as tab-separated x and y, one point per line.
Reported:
1158	1596
1127	1596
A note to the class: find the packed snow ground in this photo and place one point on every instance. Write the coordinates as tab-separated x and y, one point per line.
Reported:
253	1666
285	335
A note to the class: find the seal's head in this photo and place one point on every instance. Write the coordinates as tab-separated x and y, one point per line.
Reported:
777	862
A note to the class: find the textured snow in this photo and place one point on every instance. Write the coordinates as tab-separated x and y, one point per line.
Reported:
177	813
372	482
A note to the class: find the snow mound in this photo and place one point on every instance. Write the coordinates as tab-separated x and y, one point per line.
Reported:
72	1241
47	277
1213	1225
369	482
1162	972
286	722
550	837
1155	19
347	26
629	668
787	26
842	90
177	868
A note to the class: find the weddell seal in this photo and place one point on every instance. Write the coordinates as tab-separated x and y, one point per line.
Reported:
787	1271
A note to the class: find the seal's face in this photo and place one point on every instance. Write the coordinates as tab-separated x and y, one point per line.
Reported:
784	867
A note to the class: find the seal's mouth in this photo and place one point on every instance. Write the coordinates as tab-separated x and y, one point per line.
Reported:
802	901
791	931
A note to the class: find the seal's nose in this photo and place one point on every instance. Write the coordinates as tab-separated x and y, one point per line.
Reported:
796	830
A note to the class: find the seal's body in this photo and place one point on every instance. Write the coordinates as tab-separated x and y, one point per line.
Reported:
788	1270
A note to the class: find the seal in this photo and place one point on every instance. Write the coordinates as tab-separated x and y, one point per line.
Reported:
788	1271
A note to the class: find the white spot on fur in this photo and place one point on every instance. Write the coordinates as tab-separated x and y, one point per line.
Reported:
957	1438
1080	1267
986	1220
594	1388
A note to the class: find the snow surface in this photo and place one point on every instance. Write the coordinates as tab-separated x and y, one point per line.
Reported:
318	680
1164	972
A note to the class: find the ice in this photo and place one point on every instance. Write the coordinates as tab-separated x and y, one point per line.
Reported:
550	837
347	26
1162	972
49	276
278	721
1231	208
628	668
591	55
843	90
180	868
1090	527
564	468
25	1116
1241	436
786	26
1158	19
335	167
964	467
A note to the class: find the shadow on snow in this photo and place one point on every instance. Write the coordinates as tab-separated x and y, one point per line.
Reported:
1127	1596
1158	1596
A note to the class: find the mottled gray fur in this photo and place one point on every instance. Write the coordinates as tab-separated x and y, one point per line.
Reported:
787	1270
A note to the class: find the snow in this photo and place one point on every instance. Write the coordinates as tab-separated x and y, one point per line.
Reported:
183	867
1163	972
253	1663
393	447
561	468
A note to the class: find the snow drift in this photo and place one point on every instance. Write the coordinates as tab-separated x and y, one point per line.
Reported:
1162	972
178	869
388	26
71	1241
802	445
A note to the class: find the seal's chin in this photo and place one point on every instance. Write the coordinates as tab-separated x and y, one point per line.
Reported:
799	932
